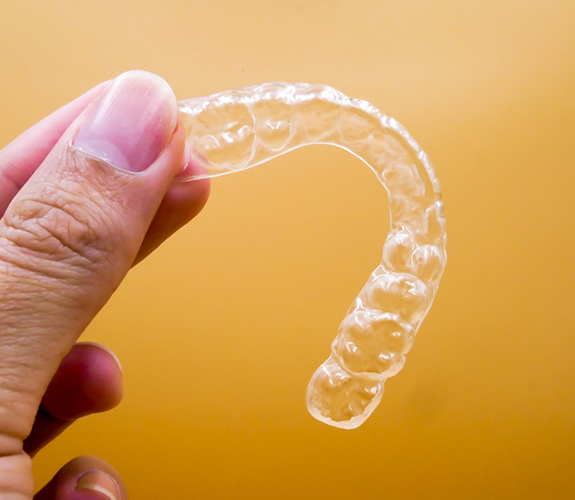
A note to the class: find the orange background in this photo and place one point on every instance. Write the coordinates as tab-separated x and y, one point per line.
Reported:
220	330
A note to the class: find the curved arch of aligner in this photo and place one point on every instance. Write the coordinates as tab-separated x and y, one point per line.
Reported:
235	130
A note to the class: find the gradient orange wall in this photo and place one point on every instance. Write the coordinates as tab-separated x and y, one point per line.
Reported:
221	329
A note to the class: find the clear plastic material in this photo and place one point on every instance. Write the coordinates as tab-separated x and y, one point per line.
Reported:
235	130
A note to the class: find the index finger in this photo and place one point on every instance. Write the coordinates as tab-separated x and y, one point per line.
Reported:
20	159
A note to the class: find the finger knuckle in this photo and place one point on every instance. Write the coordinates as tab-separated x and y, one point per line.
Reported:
60	226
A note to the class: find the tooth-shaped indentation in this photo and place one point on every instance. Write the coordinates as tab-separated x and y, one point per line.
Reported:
223	146
403	178
397	252
335	395
373	343
273	120
435	219
356	125
232	131
402	294
428	263
316	117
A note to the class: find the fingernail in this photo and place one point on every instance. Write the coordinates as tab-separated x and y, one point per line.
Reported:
106	349
131	122
98	485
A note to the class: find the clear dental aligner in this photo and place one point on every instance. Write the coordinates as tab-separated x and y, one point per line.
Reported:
235	130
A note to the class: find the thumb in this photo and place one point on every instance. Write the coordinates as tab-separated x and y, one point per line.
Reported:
71	234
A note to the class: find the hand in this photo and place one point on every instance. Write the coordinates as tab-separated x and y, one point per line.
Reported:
84	194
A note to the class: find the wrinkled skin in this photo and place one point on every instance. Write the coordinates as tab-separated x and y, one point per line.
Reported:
71	226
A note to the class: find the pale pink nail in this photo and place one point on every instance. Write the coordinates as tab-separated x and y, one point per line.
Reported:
98	485
131	122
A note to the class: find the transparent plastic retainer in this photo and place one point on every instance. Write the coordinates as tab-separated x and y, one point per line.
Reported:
239	129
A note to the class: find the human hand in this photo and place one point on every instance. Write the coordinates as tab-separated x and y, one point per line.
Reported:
84	194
